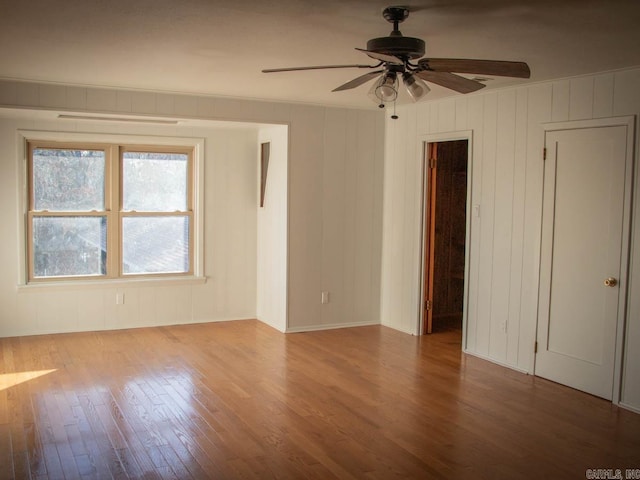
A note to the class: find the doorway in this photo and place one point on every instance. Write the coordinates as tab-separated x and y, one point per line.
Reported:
584	255
445	235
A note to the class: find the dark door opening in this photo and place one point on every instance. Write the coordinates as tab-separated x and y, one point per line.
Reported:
445	236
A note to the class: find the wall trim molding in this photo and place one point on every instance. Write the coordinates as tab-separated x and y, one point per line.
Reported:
332	326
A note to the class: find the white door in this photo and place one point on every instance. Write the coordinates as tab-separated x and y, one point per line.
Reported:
581	257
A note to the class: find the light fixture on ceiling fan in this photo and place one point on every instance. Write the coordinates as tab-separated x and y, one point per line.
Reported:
396	55
385	88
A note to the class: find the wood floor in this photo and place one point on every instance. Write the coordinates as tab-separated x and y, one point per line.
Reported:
240	400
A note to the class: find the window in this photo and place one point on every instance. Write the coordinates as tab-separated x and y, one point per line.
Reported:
109	211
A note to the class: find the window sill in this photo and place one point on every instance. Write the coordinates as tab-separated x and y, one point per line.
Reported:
111	283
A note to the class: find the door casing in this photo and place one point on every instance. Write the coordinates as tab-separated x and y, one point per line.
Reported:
424	140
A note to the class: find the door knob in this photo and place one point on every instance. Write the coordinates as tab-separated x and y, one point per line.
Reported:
610	282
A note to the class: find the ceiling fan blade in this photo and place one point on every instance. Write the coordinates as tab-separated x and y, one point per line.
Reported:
317	67
481	67
451	80
356	82
382	57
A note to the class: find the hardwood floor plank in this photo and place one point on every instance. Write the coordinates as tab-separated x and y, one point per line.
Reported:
93	462
6	452
101	450
35	451
21	466
241	400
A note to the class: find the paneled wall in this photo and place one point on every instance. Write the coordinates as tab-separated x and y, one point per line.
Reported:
334	221
343	190
229	233
271	300
506	185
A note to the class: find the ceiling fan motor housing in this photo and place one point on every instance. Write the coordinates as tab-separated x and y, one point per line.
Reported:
404	47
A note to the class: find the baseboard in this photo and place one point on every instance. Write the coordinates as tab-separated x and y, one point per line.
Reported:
497	362
399	329
215	320
631	408
269	324
332	326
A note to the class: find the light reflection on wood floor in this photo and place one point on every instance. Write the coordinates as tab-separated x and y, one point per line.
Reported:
240	400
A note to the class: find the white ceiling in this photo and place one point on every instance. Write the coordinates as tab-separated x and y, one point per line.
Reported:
220	48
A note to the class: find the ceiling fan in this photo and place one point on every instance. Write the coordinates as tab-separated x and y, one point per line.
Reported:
396	55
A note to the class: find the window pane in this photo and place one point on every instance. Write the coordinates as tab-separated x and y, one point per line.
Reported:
68	180
69	246
154	182
155	244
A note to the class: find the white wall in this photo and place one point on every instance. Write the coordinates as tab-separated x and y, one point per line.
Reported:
271	301
335	209
229	233
506	182
335	220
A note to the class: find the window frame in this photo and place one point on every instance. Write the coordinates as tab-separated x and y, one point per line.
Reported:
122	214
114	146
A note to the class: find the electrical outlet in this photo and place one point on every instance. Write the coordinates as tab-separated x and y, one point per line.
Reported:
325	297
119	298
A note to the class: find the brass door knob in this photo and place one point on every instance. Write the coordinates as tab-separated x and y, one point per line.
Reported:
610	282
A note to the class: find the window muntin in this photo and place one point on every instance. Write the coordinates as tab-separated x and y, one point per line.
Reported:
109	211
